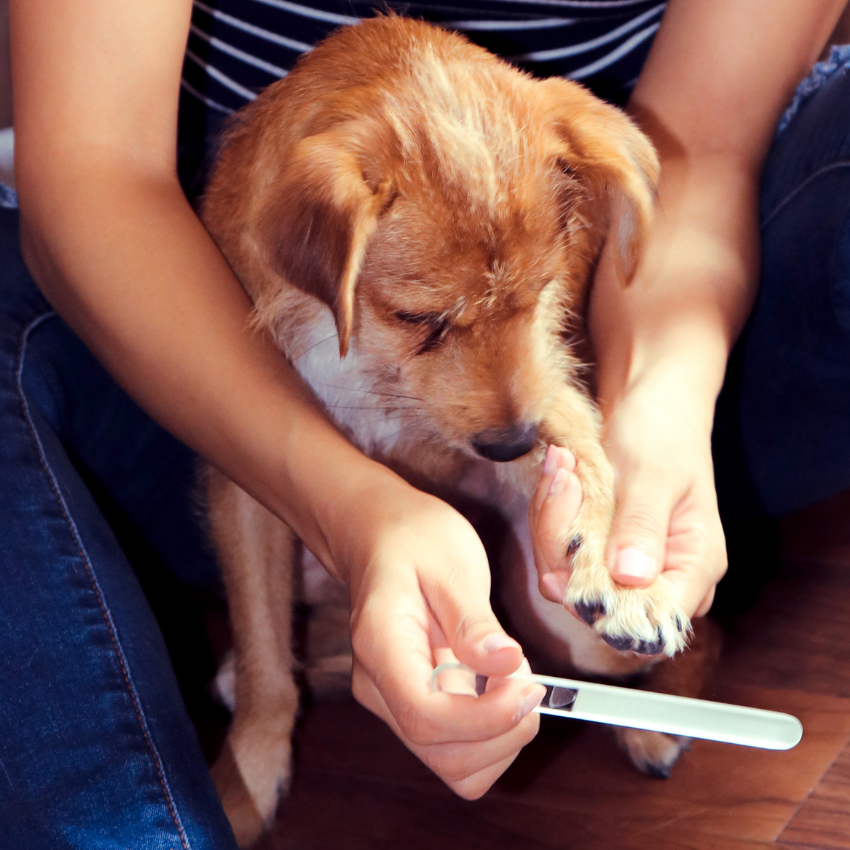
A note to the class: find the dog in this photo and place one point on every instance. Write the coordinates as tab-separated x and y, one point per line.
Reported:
417	223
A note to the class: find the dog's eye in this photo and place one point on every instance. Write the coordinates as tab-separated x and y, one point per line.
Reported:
567	170
417	318
436	325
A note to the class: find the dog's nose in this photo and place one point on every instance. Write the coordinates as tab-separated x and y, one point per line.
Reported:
504	444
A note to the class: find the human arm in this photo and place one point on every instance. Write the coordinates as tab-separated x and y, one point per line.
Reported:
717	78
116	248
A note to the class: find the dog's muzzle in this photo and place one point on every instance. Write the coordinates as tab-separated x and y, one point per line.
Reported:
504	444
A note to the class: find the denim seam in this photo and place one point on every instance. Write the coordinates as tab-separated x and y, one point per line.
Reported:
797	189
113	632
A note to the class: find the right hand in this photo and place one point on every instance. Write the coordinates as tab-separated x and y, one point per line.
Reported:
420	586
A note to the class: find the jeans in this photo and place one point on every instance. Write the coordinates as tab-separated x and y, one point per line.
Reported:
97	749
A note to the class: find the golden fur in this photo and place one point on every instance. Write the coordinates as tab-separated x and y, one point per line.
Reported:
417	223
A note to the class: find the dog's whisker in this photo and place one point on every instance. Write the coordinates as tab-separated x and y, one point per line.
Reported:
387	410
311	347
379	393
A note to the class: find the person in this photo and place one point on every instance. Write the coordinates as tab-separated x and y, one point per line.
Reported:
98	750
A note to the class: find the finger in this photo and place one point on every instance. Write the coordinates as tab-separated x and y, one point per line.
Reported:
551	512
460	603
705	606
637	545
696	551
476	786
468	767
393	667
557	458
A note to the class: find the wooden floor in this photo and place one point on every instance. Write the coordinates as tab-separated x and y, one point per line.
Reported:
357	787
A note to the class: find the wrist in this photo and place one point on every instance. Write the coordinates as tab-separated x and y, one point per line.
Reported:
681	370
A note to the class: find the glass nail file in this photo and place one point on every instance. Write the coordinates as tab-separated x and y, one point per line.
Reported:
694	718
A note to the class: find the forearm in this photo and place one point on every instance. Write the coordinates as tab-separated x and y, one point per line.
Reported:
694	287
710	96
124	259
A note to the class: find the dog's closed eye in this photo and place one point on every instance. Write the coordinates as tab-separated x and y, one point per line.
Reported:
437	325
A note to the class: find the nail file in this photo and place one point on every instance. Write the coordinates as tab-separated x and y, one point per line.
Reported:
694	718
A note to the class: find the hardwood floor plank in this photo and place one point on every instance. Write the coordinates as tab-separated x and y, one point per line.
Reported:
570	785
823	821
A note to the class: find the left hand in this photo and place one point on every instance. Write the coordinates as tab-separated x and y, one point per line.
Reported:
667	521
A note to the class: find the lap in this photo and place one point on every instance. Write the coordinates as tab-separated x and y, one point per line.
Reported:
784	416
101	751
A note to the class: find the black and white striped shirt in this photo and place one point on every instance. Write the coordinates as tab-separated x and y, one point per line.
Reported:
237	47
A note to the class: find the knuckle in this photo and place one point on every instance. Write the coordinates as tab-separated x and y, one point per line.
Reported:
643	521
364	629
416	729
360	687
453	770
468	625
469	788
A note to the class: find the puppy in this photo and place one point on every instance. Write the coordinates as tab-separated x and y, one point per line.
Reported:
417	223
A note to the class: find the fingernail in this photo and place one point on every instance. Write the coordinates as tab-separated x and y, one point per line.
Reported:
530	700
633	563
558	483
497	641
550	462
556	586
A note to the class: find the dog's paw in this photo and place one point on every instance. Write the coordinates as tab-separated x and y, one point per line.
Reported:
646	620
652	753
251	773
223	687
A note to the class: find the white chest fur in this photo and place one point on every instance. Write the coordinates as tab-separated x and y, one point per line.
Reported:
347	386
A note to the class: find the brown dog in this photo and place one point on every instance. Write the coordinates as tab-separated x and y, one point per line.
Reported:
417	223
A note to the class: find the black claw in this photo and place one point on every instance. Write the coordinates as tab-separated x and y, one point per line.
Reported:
651	647
574	546
589	611
620	642
679	625
657	771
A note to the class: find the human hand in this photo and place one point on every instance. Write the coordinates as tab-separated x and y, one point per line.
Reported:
420	586
667	527
552	509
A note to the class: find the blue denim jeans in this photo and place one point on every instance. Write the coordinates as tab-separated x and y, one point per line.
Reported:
97	750
782	432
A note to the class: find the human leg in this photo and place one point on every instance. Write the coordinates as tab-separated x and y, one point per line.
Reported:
97	749
784	417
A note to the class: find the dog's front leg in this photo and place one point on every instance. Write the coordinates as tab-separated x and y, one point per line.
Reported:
256	552
644	620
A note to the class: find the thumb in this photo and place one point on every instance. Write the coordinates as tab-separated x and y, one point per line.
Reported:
462	612
638	543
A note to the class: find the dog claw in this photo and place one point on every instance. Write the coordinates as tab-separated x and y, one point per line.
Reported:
653	647
575	545
589	611
657	771
620	642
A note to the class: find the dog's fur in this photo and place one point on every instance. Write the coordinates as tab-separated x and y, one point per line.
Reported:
417	223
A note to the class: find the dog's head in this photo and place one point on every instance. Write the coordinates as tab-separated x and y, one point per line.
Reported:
449	215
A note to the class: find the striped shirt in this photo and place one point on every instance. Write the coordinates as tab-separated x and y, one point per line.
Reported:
237	47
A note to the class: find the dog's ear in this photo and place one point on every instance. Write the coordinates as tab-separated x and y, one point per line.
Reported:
318	222
614	160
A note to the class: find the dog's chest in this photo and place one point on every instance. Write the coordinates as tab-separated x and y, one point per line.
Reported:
348	387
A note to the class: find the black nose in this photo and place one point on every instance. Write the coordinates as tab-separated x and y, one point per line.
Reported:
504	444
